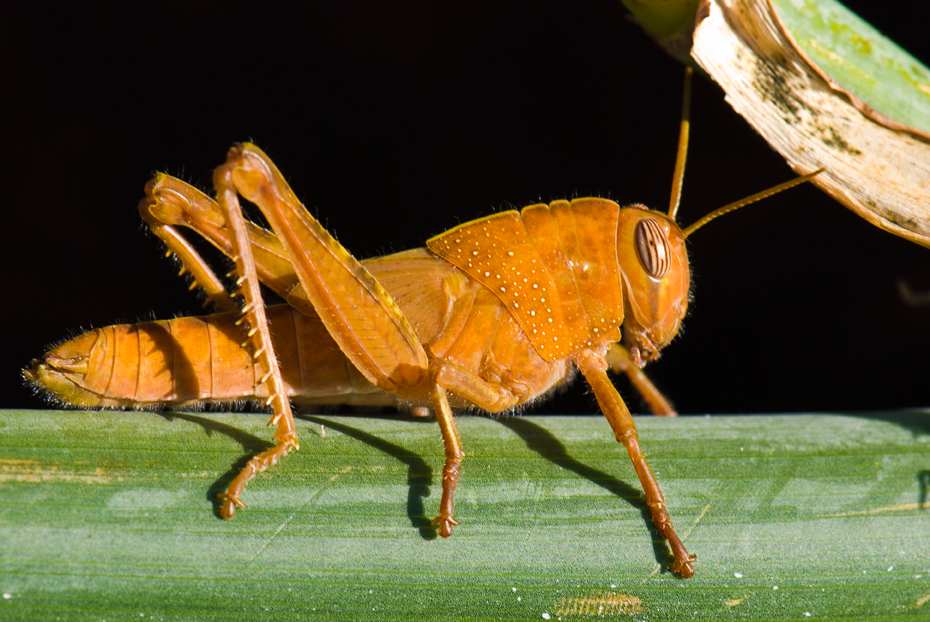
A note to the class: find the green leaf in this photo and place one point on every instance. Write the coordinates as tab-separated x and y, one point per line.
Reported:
669	22
111	515
860	58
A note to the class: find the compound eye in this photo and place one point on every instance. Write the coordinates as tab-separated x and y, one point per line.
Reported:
652	247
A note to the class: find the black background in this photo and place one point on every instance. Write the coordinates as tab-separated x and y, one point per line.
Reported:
396	121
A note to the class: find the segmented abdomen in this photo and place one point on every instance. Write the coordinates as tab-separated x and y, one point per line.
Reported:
200	359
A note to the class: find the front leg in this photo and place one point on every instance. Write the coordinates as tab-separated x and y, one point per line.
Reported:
594	367
620	363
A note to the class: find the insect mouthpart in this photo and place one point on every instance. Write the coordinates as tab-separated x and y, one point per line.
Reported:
641	348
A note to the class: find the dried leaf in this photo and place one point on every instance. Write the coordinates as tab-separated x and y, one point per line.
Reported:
876	165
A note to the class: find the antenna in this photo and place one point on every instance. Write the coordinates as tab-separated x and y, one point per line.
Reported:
726	209
682	157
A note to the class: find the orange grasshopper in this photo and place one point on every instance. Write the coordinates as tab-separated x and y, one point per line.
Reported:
492	314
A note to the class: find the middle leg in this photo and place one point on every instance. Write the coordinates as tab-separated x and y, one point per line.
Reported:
463	383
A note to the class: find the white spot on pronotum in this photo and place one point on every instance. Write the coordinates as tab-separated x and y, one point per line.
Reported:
516	305
533	313
545	616
513	589
503	289
474	252
510	253
738	575
535	286
7	596
487	274
807	614
774	587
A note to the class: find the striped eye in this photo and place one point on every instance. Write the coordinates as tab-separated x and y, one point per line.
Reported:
652	247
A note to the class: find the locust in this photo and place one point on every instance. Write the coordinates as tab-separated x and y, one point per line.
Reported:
492	314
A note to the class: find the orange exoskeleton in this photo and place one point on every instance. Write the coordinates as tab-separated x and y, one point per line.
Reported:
492	314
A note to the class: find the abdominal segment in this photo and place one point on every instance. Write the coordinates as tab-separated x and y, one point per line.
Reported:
192	360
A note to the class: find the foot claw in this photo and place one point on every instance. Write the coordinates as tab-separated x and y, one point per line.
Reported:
683	567
443	525
230	503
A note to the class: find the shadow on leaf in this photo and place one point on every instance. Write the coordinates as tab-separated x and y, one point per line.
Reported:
547	445
914	420
250	444
419	473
